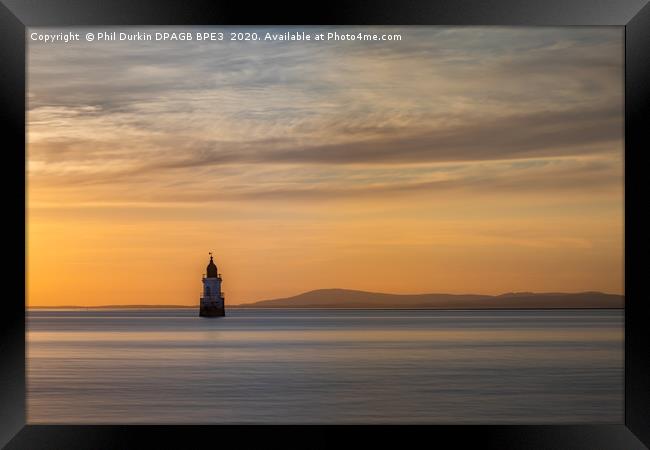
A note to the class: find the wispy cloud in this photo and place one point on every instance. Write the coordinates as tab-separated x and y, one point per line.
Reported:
160	114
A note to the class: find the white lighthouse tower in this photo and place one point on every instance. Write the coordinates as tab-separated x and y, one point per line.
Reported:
212	301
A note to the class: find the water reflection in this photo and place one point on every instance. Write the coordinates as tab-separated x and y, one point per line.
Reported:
298	366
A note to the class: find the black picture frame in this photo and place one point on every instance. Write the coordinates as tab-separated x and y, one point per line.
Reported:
16	15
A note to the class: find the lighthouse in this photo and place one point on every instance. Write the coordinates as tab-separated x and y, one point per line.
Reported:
212	301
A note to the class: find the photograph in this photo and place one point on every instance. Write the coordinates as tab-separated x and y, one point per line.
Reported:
325	225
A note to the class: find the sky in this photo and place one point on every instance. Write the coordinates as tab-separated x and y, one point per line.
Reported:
457	160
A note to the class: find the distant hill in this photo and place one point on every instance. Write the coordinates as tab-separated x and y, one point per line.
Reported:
345	298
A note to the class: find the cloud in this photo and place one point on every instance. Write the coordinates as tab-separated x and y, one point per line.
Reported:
594	177
523	136
262	120
545	177
539	134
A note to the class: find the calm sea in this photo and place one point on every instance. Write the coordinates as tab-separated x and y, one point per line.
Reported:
325	366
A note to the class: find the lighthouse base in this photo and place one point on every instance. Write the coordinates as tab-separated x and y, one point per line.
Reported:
215	311
212	307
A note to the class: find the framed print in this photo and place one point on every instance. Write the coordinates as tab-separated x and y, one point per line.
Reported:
290	226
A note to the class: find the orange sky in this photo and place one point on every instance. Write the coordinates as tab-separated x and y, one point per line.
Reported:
460	160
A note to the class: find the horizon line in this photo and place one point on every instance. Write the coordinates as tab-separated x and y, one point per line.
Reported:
178	306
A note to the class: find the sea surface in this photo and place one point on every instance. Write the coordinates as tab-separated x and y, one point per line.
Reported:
168	366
